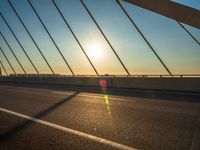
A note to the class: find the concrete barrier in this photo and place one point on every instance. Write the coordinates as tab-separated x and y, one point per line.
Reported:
146	83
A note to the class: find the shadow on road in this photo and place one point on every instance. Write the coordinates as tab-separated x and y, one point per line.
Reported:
7	88
8	134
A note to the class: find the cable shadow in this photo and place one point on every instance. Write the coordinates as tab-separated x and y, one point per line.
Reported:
8	134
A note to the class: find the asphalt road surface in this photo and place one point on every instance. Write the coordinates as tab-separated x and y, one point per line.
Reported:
55	117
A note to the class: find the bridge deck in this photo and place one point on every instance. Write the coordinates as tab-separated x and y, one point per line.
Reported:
144	121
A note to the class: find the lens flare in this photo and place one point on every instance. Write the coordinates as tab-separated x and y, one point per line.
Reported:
103	84
107	103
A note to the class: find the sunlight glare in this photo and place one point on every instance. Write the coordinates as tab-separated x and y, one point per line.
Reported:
95	51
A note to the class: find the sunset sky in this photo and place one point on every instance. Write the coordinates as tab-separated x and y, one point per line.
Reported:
176	48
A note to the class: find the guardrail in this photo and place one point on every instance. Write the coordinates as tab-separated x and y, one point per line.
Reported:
178	83
105	76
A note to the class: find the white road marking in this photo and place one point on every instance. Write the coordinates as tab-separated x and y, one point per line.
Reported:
94	96
71	131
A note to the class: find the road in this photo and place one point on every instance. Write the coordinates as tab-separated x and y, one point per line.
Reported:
48	117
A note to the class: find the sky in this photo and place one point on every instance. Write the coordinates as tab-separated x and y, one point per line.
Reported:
177	50
191	3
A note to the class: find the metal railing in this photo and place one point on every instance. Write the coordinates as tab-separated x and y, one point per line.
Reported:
103	76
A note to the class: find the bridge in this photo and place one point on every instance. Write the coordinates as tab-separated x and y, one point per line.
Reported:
110	74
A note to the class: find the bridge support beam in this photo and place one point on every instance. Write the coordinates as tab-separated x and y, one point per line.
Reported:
170	9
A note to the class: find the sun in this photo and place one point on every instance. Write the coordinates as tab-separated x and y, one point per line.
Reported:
95	51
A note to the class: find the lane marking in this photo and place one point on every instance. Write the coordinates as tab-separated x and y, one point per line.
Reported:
95	96
71	131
